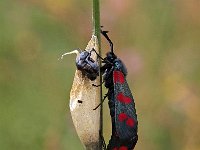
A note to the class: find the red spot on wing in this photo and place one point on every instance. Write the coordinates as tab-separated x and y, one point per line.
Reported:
130	122
122	117
118	77
124	99
123	148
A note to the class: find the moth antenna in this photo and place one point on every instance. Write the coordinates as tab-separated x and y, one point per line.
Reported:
76	51
104	33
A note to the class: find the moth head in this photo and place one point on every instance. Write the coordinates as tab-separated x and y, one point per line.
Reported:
110	56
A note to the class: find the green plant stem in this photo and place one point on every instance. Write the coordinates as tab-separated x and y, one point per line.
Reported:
96	32
96	19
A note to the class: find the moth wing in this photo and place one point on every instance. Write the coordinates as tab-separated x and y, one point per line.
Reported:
125	112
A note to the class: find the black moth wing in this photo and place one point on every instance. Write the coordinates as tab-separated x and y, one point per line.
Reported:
125	112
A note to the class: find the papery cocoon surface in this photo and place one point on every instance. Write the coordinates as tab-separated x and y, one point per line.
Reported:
83	99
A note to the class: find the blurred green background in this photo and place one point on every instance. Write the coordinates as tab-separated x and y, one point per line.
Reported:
159	42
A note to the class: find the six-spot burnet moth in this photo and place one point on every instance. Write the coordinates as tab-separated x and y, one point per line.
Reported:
121	103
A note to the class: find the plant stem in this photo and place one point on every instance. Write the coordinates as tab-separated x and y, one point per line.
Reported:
96	32
96	19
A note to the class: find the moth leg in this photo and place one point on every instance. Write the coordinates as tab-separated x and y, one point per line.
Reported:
103	60
99	84
106	95
93	50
